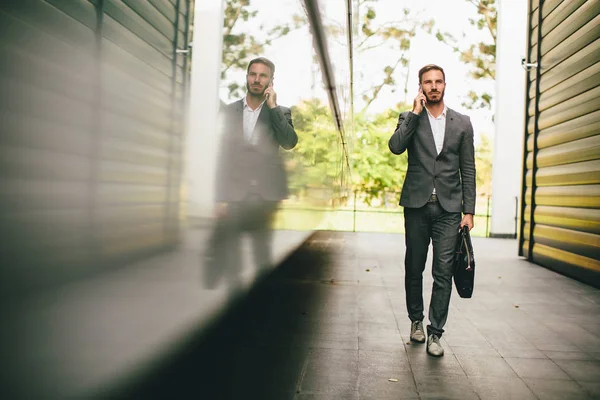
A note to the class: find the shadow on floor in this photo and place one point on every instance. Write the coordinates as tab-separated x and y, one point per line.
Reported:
254	351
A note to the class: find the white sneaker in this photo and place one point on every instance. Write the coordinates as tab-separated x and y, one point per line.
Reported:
434	348
417	334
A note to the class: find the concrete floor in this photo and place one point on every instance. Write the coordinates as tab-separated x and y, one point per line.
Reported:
331	323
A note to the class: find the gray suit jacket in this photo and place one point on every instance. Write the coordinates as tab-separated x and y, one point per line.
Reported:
253	167
451	173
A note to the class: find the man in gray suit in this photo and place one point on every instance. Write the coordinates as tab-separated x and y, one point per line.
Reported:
438	187
251	177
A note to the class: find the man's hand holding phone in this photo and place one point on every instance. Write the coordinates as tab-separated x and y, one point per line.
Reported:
271	96
419	102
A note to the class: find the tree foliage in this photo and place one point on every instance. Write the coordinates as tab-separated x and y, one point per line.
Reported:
317	161
376	169
480	56
483	161
394	35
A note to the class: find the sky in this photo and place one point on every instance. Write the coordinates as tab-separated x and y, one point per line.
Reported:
297	78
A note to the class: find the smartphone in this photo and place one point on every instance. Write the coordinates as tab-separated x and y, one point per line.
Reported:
270	85
421	91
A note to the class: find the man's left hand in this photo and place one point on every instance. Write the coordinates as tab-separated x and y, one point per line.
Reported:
468	221
271	96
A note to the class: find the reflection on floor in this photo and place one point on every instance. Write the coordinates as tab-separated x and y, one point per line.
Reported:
96	332
330	323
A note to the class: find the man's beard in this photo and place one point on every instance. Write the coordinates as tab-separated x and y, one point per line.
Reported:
261	94
441	97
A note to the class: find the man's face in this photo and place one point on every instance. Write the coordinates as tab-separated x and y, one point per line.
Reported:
258	79
433	85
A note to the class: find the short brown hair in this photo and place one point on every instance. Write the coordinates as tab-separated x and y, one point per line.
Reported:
265	61
428	68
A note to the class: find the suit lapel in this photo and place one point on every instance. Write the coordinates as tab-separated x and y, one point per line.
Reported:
263	117
262	124
449	127
428	131
239	118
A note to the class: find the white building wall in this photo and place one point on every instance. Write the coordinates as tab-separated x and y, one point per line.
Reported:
509	116
202	140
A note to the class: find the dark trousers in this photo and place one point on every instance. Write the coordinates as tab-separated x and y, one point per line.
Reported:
430	222
252	216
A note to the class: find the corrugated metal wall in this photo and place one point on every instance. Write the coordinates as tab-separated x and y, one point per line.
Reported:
561	181
91	100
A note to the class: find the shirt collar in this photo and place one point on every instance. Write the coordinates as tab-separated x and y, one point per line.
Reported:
247	107
443	114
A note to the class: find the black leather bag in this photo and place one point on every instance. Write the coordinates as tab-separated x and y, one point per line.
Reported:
464	264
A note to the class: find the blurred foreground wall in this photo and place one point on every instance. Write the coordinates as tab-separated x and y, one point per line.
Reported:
105	171
92	95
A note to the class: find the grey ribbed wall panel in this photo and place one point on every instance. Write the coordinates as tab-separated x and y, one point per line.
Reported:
92	102
560	226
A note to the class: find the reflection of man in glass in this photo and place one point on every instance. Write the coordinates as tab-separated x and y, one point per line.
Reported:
251	177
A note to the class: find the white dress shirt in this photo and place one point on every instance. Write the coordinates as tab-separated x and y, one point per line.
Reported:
438	128
250	118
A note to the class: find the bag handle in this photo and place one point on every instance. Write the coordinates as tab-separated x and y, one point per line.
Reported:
468	246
